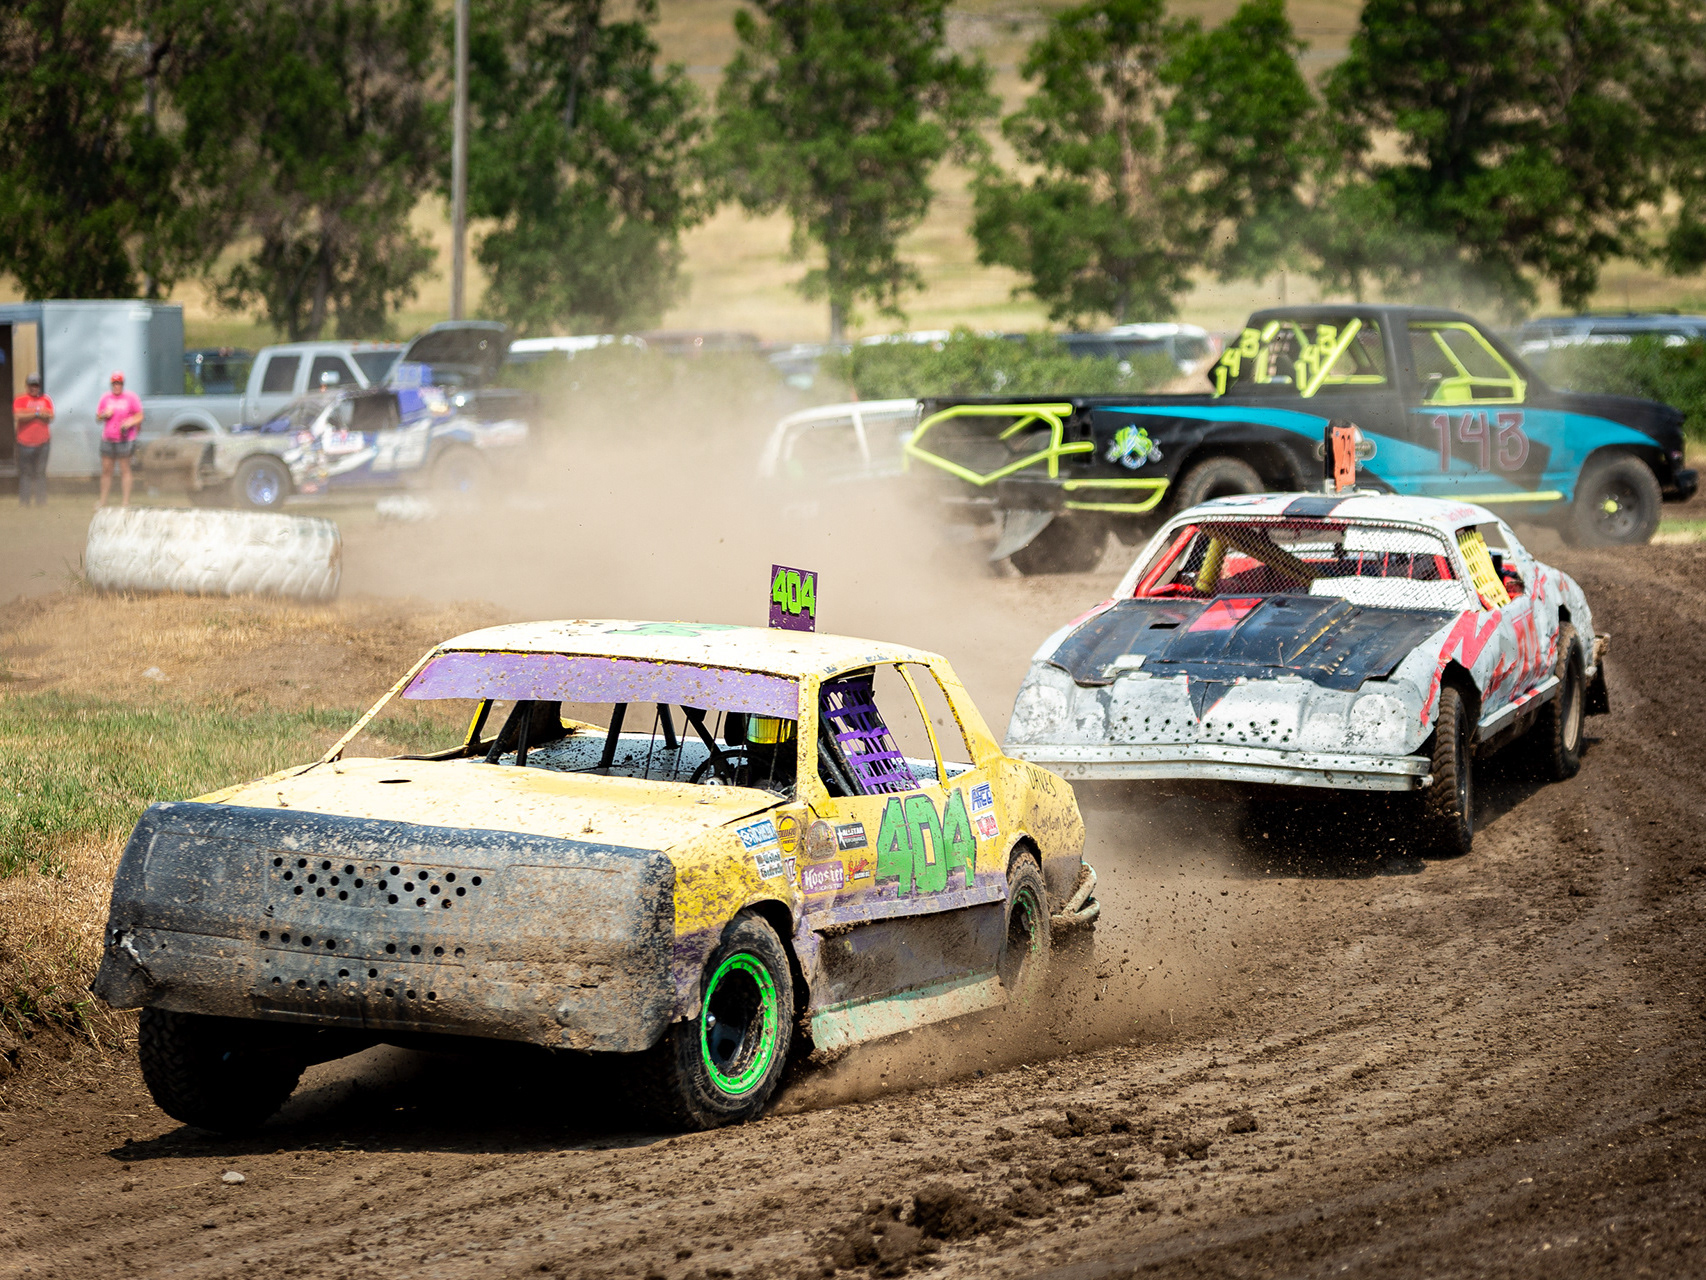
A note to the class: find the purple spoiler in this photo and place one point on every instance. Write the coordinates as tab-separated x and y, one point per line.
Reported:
557	677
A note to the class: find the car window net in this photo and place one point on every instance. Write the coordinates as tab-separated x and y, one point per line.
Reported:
857	738
1365	563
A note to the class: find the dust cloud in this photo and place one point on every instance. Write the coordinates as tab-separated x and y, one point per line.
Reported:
655	510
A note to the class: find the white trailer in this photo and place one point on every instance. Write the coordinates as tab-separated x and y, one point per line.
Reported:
75	346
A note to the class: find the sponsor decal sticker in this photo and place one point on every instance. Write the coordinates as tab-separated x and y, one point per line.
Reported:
850	835
759	839
860	869
823	877
987	827
789	864
982	798
788	832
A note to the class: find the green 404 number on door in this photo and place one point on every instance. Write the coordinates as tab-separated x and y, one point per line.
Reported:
921	848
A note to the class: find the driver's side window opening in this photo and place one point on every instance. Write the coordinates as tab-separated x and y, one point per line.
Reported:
1456	365
862	758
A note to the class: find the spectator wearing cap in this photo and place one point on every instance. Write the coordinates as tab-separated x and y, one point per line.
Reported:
32	421
120	416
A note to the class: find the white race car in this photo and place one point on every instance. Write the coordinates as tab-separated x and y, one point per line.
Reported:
1354	640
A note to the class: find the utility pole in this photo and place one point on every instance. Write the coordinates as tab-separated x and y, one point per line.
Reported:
459	170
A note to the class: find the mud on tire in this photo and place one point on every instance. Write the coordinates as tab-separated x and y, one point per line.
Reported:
1448	806
1066	545
1553	742
1220	477
227	1075
723	1066
1025	949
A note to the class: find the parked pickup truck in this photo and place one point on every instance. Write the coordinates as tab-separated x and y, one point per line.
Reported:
1446	410
279	375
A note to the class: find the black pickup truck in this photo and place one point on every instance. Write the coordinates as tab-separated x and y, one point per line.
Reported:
1446	410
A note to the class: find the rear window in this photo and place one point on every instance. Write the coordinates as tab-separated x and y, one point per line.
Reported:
1302	357
1370	564
280	375
376	364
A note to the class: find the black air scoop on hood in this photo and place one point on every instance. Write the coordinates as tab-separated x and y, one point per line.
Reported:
1334	643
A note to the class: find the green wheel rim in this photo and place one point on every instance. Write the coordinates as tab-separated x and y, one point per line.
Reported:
738	1028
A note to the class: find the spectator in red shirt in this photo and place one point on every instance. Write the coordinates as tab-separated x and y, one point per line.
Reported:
120	416
32	419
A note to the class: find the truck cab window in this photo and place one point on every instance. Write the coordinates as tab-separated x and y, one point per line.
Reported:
1302	357
1456	365
280	375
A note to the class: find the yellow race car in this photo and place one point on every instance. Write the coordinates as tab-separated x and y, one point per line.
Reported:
706	846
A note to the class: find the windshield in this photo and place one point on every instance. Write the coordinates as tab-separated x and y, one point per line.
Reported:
299	414
618	717
1366	563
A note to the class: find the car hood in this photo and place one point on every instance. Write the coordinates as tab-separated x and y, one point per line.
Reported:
1330	641
1650	417
472	795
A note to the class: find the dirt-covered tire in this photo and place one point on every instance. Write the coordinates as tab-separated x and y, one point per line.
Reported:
723	1066
1448	805
226	1075
1617	504
218	553
1554	740
261	483
1026	946
1220	477
1066	545
460	470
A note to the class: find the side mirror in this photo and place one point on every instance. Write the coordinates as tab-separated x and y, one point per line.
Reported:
330	379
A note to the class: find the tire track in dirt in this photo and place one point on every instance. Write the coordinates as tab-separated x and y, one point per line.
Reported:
1486	1066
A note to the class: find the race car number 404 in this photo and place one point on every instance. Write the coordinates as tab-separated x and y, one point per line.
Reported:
708	847
1361	641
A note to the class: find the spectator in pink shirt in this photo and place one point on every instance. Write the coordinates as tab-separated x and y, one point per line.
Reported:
120	416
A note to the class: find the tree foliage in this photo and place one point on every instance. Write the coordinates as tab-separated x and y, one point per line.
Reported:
839	114
972	364
92	202
1159	148
315	118
584	152
1528	144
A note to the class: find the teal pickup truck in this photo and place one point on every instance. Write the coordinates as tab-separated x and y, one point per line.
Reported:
1445	408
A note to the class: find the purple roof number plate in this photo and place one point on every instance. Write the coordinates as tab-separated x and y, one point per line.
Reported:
559	677
793	598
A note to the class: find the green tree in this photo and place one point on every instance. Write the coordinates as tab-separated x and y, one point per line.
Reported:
1527	141
1159	148
314	118
585	155
92	203
840	114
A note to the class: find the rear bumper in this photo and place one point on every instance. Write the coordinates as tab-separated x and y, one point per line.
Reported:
289	916
1217	762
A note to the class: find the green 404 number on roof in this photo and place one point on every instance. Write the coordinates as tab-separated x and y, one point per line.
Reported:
921	848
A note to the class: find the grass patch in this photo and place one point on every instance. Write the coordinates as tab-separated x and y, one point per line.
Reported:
75	769
1681	531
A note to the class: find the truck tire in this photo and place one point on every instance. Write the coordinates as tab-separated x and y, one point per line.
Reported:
226	1075
723	1066
1617	504
1219	477
219	553
1026	946
1066	545
1448	806
1554	741
261	484
459	470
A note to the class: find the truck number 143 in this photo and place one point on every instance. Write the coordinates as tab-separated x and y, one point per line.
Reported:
1500	440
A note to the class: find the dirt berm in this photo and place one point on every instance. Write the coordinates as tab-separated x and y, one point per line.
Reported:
1337	1061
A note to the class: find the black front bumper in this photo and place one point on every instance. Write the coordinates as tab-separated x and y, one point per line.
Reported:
1683	484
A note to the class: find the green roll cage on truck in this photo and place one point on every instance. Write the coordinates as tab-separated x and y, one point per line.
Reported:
1446	410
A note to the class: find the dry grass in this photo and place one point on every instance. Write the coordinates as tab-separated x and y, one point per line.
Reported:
87	741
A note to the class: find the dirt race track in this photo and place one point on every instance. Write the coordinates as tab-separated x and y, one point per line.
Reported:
1288	1057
